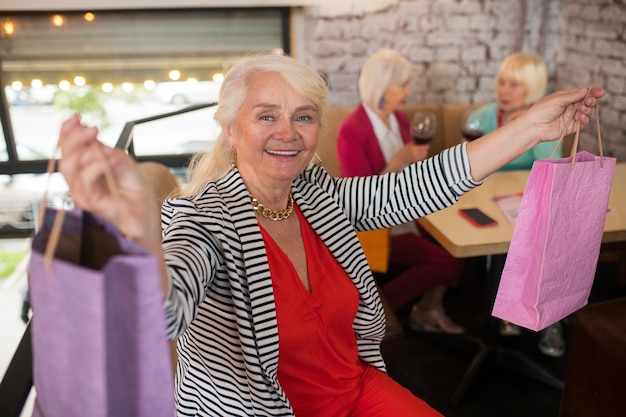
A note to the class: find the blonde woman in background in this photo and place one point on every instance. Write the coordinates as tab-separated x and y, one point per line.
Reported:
522	80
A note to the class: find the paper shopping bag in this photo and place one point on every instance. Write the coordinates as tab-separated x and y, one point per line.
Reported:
98	327
552	259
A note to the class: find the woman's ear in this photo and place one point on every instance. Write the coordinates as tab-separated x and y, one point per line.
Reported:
228	131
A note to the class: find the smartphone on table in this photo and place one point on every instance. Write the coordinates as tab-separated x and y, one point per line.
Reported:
477	217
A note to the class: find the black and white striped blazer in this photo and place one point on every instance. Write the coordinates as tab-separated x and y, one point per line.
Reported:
220	303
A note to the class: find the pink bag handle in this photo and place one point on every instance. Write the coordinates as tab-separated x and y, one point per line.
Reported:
576	136
55	231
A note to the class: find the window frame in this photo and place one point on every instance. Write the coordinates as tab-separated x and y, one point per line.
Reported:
15	166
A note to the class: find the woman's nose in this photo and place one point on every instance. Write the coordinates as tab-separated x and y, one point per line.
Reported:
285	129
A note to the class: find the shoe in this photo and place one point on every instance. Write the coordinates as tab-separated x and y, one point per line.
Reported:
551	341
433	321
509	329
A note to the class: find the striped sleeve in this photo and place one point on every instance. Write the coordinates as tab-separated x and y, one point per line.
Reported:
418	190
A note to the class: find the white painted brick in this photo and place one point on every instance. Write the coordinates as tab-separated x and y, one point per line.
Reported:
601	31
328	29
458	22
614	67
442	83
448	53
476	53
481	22
608	116
421	54
619	103
617	85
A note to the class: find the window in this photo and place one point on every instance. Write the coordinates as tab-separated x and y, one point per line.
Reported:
118	66
114	67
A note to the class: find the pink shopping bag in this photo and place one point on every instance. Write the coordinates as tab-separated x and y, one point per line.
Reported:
552	259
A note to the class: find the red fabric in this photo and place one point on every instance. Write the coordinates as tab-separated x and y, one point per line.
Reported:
358	151
318	364
381	396
428	265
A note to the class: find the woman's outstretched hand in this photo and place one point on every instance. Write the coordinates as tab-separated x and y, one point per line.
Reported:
562	112
84	164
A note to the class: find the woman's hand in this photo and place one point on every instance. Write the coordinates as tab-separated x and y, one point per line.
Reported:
84	164
562	112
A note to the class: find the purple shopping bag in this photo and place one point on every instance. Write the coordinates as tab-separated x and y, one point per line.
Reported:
552	259
98	327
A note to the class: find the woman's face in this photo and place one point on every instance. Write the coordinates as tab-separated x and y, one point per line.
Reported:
511	94
395	96
275	134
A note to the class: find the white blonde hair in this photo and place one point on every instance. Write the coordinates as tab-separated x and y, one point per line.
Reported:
529	70
214	164
383	68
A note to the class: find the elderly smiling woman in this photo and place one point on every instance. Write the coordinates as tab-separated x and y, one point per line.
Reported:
266	286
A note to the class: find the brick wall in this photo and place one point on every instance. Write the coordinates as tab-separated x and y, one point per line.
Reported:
457	46
593	52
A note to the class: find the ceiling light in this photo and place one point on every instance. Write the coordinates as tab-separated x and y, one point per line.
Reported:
218	77
58	20
8	27
79	80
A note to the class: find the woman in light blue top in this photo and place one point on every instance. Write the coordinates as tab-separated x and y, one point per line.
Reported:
521	81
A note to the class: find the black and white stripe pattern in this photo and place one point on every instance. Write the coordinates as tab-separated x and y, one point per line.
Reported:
220	303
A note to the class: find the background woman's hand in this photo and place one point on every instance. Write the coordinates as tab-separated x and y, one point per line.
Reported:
407	155
83	164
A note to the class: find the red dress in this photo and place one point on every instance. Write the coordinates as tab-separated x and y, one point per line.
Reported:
318	364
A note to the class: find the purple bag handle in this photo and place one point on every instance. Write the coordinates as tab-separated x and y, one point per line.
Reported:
55	231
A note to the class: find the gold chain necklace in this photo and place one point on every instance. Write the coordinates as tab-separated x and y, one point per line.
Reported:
274	215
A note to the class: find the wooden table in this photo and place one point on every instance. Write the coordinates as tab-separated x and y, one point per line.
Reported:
463	240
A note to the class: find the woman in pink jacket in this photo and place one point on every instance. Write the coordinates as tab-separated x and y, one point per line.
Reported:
375	139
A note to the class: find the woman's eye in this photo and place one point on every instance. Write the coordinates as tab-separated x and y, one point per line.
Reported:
266	118
307	117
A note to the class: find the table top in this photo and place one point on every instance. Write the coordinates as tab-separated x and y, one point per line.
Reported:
462	239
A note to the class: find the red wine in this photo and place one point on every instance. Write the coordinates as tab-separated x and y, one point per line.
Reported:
422	138
472	134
